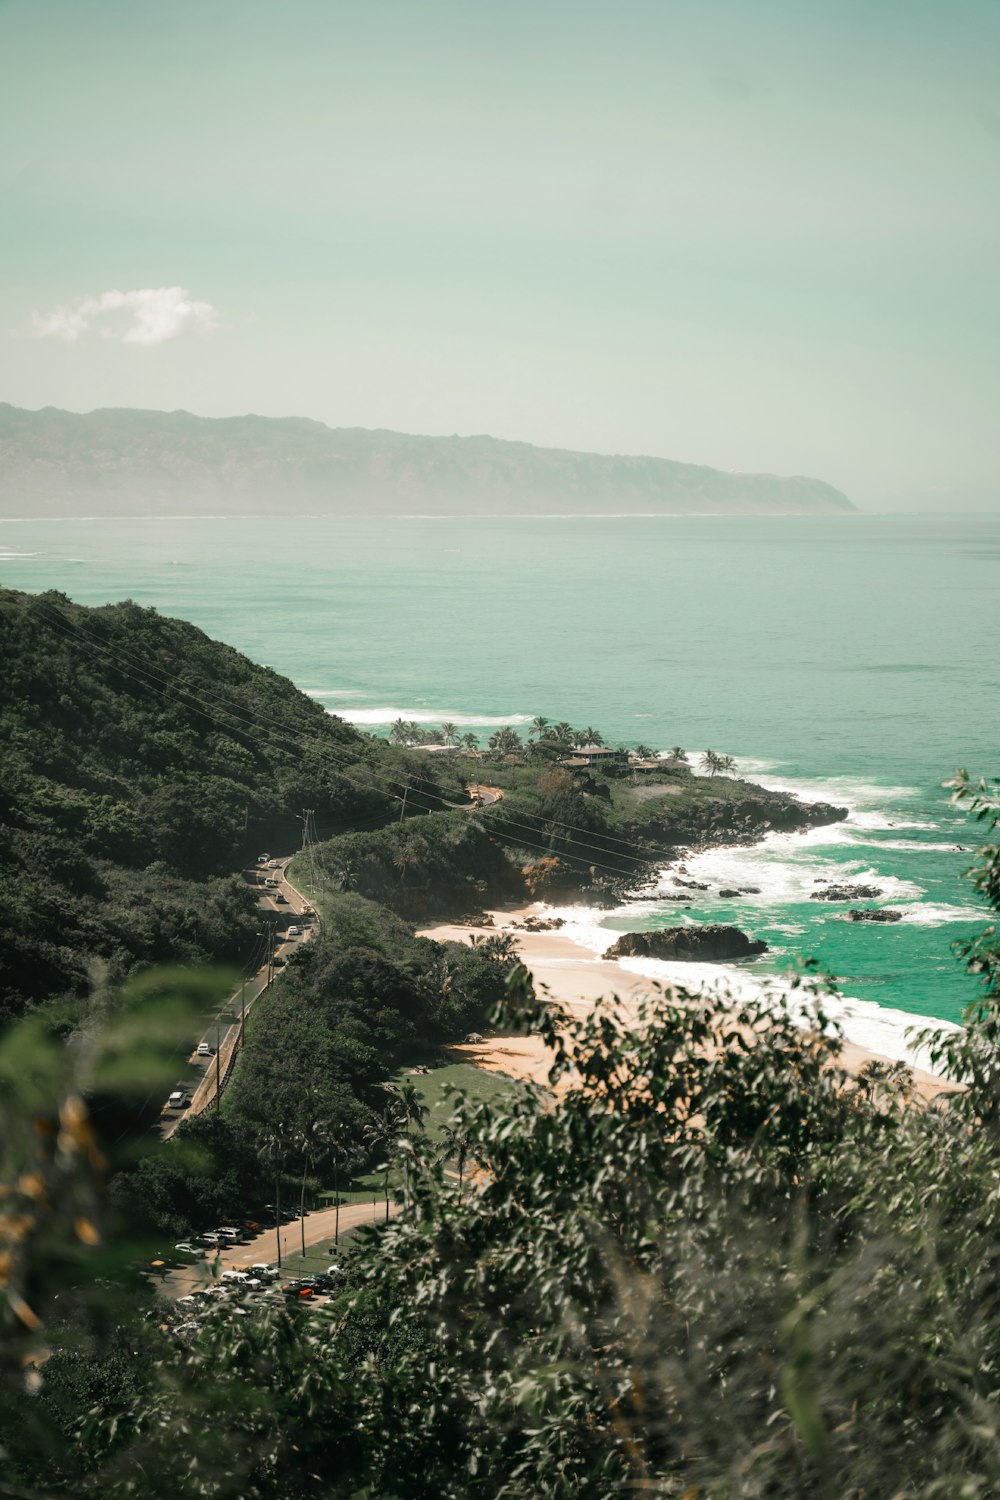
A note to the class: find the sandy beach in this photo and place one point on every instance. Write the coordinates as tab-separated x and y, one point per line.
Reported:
572	976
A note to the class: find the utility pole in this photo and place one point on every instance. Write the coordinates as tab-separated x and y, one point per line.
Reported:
243	1008
218	1067
402	810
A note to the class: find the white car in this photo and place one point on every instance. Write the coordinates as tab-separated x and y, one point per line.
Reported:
204	1050
264	1272
177	1099
234	1278
294	932
274	864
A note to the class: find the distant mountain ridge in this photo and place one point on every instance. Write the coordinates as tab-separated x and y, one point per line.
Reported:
124	461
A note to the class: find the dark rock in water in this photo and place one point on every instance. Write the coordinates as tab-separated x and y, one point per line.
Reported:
691	885
846	893
874	914
750	890
726	894
665	897
714	944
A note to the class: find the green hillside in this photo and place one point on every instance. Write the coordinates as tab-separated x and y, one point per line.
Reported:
142	763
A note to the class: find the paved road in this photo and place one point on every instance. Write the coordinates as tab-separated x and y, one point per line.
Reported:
483	796
263	1249
279	904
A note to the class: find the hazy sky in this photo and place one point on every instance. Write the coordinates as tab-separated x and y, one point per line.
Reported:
759	235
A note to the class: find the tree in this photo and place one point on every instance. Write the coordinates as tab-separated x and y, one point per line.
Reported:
273	1152
504	742
593	737
539	725
381	1138
643	752
410	1111
725	764
456	1143
399	732
710	762
449	733
679	755
470	742
501	947
562	733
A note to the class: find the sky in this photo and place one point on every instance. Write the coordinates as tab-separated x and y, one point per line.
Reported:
755	234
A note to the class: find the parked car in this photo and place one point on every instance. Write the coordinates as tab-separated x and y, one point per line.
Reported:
234	1278
264	1272
211	1238
177	1100
230	1235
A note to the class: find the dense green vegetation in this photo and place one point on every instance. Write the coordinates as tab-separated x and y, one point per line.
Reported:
353	1004
712	1265
142	762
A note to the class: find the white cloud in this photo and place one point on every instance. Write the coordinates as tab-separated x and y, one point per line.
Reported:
150	316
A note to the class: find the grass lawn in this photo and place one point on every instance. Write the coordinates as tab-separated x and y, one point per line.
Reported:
317	1257
433	1088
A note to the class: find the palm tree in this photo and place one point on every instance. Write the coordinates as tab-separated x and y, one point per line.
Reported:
643	752
562	733
594	737
380	1138
455	1142
501	946
505	741
340	1154
726	764
272	1155
710	762
410	1110
449	733
679	754
346	878
397	734
408	856
539	726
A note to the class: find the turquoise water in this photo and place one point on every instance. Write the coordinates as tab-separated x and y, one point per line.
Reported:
853	658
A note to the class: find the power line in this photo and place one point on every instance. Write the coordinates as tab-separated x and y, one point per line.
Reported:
159	682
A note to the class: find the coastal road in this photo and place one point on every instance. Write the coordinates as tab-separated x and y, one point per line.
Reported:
280	904
262	1249
484	796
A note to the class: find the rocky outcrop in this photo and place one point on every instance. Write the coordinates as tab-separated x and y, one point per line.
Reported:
874	914
846	893
710	944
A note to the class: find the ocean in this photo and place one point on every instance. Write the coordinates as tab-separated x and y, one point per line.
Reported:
852	659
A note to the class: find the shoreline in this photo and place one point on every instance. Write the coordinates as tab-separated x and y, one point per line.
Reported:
574	978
